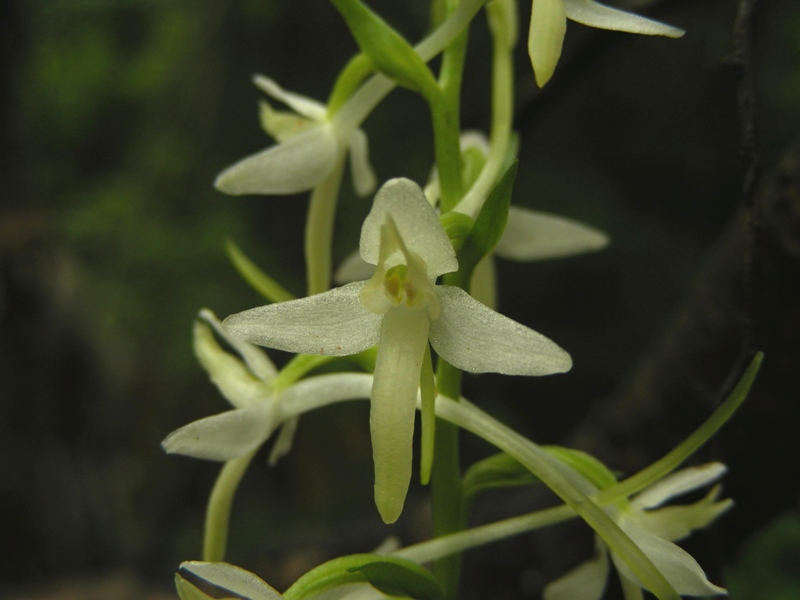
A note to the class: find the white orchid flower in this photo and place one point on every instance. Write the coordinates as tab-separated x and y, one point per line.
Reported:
401	309
654	530
549	24
258	408
310	145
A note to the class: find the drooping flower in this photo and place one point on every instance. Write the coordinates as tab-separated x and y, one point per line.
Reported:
258	408
310	145
549	24
401	309
653	528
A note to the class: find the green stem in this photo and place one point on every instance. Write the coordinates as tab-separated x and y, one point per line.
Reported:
446	504
218	512
445	114
503	42
319	230
485	534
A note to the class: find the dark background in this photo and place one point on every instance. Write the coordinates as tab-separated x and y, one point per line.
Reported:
117	116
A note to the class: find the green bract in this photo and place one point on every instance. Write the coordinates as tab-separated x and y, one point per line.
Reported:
549	24
401	309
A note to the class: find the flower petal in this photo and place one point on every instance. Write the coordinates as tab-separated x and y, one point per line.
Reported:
475	338
545	37
302	105
231	578
585	582
677	483
674	563
353	268
332	323
283	442
532	235
483	285
314	392
224	436
256	359
297	165
594	14
404	335
675	523
417	222
361	171
234	381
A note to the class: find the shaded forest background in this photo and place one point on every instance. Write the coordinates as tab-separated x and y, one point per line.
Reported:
117	115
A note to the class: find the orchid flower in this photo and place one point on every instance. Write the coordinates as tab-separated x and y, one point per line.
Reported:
249	385
310	145
549	24
401	309
654	529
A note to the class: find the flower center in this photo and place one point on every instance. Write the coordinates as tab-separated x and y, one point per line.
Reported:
401	278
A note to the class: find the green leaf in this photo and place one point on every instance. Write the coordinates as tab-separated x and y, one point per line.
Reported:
501	470
689	446
389	574
585	464
389	51
488	227
258	280
400	577
497	471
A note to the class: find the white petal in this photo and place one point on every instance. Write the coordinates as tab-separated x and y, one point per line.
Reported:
332	323
675	564
229	577
483	286
364	179
675	523
284	440
586	582
475	338
532	235
677	483
404	335
353	268
474	138
545	37
314	392
417	223
594	14
257	360
234	381
297	165
302	105
224	436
